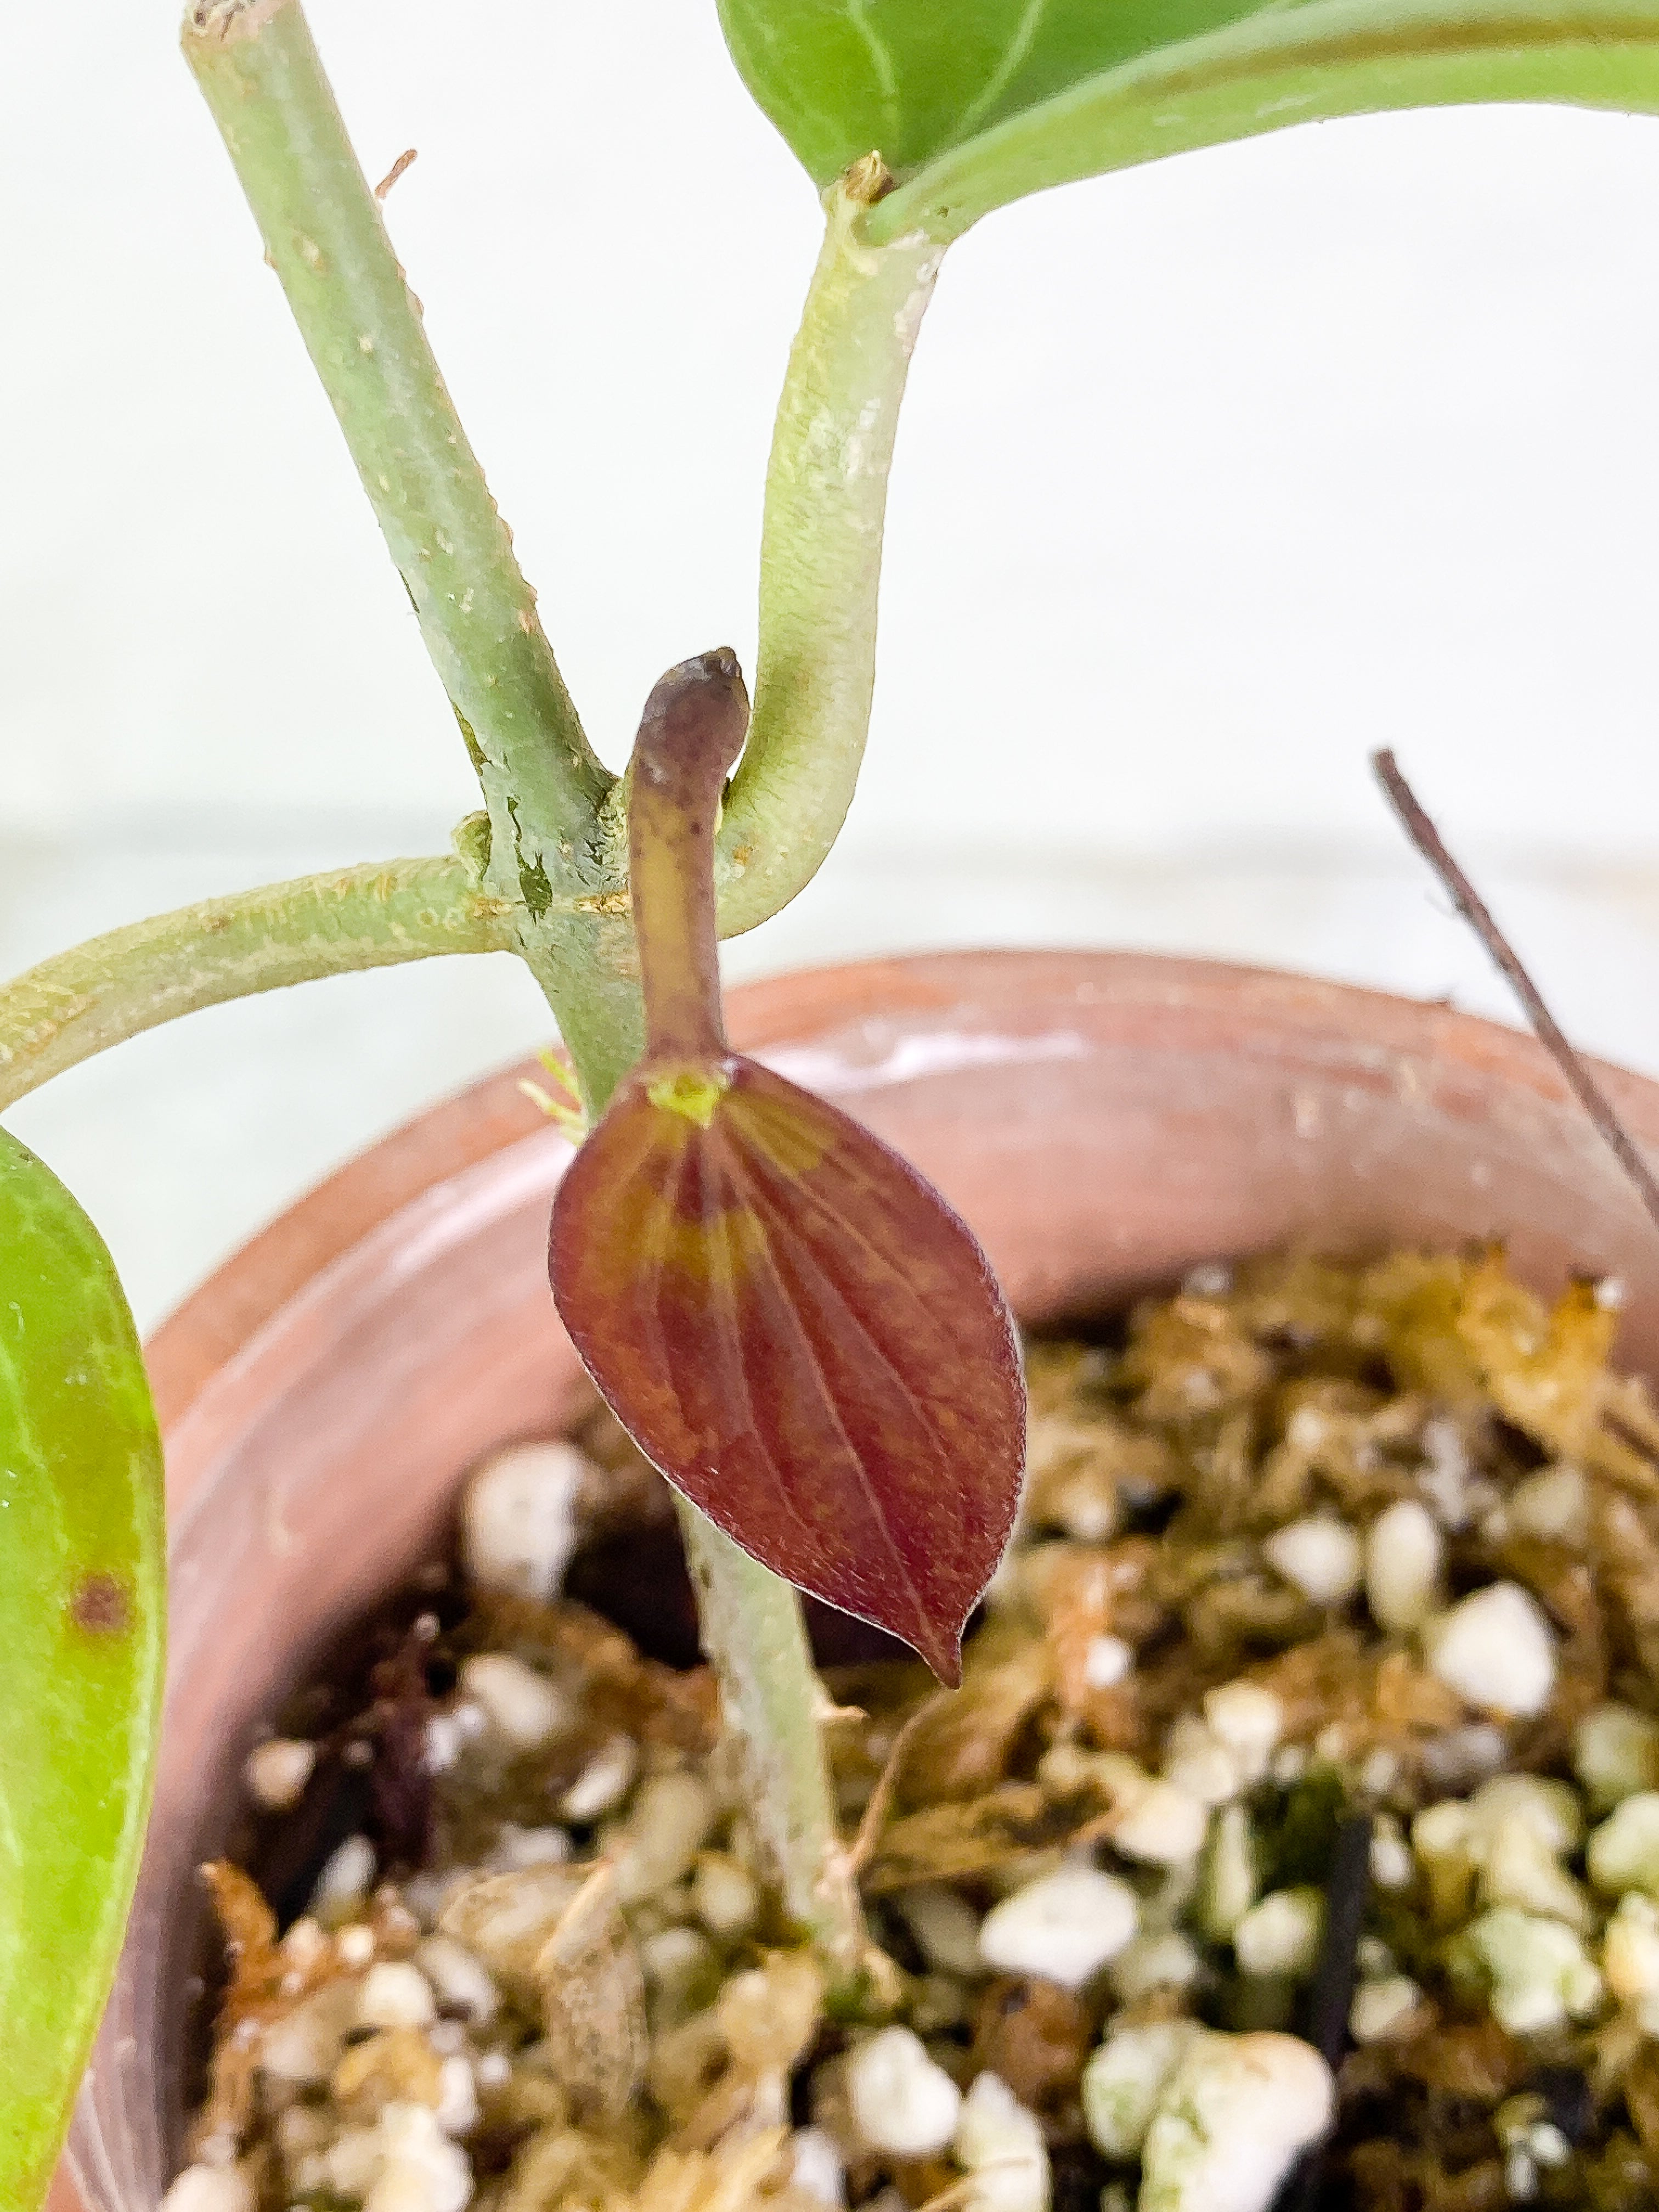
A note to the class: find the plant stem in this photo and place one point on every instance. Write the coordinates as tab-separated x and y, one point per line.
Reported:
754	1631
556	836
325	237
82	1002
826	501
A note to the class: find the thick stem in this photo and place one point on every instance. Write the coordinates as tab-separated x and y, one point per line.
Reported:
826	501
325	237
82	1002
754	1631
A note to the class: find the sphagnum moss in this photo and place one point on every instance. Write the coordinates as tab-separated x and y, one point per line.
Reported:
1099	1881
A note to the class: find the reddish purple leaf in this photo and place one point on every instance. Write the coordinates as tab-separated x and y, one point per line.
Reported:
789	1321
801	1334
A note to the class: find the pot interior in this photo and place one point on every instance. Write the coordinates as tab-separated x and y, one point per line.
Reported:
1104	1122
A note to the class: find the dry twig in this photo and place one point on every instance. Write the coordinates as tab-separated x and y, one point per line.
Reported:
394	173
863	1846
1473	908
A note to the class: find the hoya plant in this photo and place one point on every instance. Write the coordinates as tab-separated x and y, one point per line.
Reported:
789	1323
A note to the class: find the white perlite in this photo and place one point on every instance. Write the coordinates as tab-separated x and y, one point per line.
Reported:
1124	2082
1541	1974
345	1879
395	1995
1199	1764
1615	1754
412	2166
1064	1926
276	1773
671	1819
1229	1885
457	2109
1392	1864
1404	1551
1154	1819
303	2047
1166	1962
1231	2120
517	1847
462	1983
1384	2008
1495	1649
518	1519
209	2189
523	1707
604	1781
1624	1852
818	2170
1554	1504
945	1927
1319	1556
1249	1720
724	1895
902	2103
1630	1957
1001	2144
1106	1661
1280	1935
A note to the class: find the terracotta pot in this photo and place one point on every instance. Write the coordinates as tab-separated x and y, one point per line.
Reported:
1104	1120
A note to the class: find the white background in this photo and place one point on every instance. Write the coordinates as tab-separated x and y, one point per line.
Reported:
1213	478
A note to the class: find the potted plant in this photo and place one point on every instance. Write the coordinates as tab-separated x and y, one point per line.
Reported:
611	892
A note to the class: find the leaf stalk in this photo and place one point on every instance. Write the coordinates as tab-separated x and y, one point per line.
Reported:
820	566
99	993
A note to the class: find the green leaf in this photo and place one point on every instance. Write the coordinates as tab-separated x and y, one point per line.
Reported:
82	1581
907	78
976	104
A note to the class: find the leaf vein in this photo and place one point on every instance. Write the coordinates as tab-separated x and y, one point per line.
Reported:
881	60
1013	56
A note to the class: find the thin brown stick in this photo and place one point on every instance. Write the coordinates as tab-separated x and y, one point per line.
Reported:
395	171
1473	908
863	1847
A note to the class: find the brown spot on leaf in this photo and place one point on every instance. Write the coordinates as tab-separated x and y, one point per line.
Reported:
101	1607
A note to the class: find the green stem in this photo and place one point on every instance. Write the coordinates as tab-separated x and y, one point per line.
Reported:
754	1631
82	1002
555	830
826	502
324	236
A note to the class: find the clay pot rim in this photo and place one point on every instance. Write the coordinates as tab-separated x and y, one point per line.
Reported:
868	1025
220	1323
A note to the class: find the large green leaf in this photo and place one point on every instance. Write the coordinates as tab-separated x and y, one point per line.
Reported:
975	104
82	1597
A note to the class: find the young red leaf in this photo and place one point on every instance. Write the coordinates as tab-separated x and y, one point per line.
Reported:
789	1321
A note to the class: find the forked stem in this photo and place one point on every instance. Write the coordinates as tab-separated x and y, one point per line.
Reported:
553	853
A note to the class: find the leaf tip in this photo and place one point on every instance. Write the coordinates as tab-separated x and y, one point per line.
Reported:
940	1648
